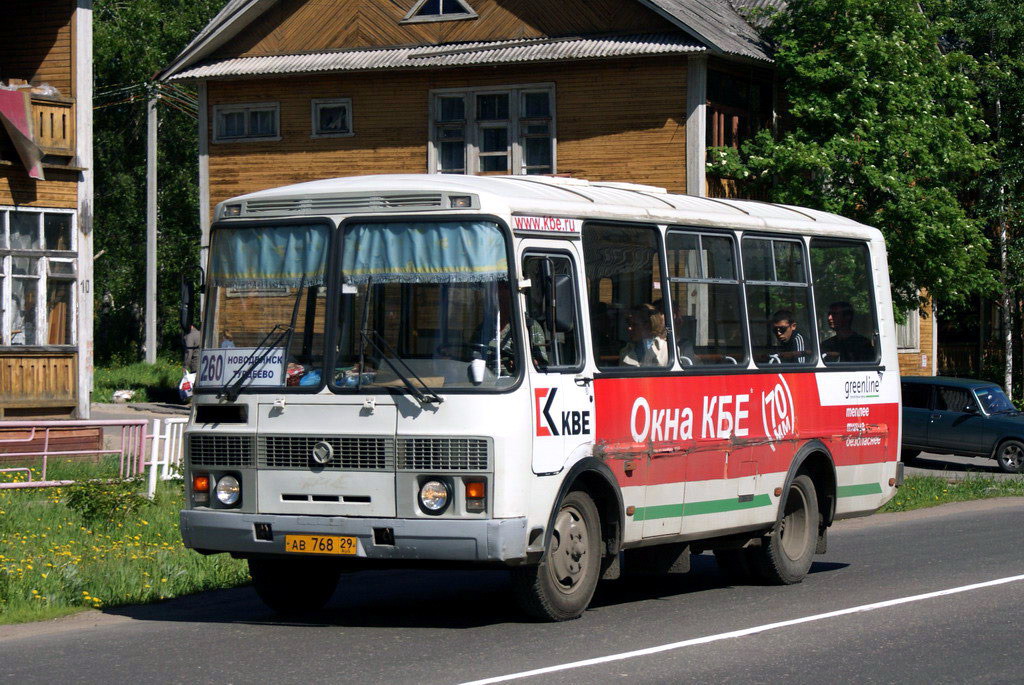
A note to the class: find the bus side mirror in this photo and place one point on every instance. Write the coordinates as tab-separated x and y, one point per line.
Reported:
186	307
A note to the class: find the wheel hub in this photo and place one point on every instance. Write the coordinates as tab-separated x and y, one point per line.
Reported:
568	549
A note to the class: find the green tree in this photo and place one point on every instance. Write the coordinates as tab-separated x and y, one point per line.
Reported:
992	31
133	40
881	126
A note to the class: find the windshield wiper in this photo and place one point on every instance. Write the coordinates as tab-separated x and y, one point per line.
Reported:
232	387
424	396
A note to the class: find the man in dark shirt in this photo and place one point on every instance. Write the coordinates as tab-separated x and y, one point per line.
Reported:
846	345
789	343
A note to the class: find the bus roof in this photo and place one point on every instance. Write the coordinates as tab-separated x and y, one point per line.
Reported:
531	195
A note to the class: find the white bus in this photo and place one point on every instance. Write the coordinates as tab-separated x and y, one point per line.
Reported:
567	379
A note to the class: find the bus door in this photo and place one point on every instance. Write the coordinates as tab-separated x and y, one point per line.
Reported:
563	408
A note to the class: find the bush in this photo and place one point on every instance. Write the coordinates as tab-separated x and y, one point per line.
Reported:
102	503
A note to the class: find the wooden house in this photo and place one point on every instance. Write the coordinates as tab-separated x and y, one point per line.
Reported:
622	90
45	208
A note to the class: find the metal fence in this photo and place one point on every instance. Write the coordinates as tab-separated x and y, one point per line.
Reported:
127	440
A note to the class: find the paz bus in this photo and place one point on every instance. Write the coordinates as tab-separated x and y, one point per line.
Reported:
571	380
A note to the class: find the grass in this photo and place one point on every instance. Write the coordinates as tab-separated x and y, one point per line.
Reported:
54	561
918	492
151	382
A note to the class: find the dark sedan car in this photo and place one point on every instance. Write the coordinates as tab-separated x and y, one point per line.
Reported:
964	417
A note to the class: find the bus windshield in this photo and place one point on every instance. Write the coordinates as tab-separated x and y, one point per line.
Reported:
265	320
425	300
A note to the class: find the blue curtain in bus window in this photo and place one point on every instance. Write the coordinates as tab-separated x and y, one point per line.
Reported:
456	252
280	256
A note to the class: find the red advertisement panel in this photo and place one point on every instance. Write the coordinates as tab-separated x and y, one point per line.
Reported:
664	430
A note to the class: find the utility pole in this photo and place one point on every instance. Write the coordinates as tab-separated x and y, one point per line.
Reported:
151	132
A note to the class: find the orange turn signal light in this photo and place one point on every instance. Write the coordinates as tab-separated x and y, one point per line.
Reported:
475	490
200	483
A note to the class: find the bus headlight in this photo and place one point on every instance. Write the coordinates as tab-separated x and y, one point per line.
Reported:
434	496
228	491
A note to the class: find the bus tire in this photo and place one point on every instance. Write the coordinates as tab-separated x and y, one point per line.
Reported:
293	586
561	586
785	554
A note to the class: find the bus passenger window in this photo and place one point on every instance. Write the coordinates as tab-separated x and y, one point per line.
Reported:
778	302
843	299
552	312
627	313
705	289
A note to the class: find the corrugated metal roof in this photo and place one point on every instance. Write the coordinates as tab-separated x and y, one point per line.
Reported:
758	12
716	23
450	55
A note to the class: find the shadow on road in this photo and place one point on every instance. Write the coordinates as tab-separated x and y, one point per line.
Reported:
454	600
941	465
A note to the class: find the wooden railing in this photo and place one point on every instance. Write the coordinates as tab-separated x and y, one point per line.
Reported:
53	123
730	189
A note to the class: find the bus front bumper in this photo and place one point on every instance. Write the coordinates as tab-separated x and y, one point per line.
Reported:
494	540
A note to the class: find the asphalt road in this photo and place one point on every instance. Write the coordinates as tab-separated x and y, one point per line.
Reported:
954	467
420	627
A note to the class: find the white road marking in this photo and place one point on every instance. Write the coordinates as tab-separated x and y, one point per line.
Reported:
744	632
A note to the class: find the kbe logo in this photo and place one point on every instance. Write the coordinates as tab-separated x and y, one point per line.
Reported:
777	412
573	422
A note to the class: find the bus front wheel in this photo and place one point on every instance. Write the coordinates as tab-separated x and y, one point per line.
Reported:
293	586
785	554
561	586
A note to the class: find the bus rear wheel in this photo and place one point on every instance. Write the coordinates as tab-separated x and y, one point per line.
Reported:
785	554
561	586
293	586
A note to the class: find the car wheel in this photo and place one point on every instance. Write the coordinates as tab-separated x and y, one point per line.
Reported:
1010	456
907	456
293	586
561	586
785	554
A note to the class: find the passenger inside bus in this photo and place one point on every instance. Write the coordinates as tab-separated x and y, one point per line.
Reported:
846	344
648	338
790	347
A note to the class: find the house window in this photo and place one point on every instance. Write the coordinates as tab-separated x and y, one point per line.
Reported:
332	118
246	122
38	271
507	131
439	10
908	333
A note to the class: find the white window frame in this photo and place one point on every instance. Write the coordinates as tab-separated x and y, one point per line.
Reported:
473	127
912	330
247	108
314	111
41	277
413	17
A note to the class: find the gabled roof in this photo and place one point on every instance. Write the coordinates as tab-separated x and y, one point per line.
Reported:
715	23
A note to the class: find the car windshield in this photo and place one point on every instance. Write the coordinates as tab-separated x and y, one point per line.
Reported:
265	315
426	300
993	400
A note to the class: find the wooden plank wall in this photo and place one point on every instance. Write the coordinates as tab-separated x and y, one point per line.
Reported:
38	379
622	120
60	189
315	25
911	362
36	43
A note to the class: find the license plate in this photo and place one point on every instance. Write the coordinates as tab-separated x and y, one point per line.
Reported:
320	544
